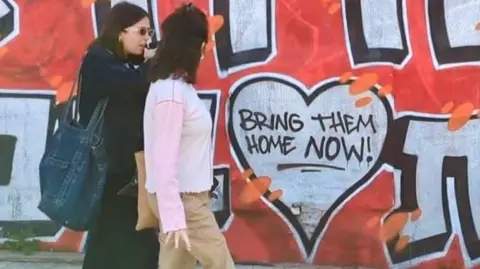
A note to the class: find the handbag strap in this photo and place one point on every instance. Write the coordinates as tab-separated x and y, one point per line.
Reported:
76	84
96	120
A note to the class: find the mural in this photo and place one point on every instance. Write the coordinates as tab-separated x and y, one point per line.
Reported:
345	131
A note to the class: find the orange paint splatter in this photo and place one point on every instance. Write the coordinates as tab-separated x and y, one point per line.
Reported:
87	3
393	226
214	24
460	116
447	107
372	222
63	91
274	195
402	243
334	8
3	51
364	101
415	215
247	174
66	86
55	81
249	194
262	184
363	83
345	77
385	90
255	188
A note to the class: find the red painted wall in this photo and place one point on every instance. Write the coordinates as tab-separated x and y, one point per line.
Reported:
389	180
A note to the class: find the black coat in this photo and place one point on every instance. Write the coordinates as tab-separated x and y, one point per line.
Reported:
113	243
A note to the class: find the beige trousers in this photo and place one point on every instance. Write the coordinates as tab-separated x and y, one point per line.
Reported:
208	245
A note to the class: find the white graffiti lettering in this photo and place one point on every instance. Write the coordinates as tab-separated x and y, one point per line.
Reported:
247	38
376	33
434	173
9	21
26	124
451	30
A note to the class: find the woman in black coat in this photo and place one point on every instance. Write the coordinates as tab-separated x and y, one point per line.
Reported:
111	70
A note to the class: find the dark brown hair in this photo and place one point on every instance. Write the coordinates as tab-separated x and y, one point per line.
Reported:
180	49
121	16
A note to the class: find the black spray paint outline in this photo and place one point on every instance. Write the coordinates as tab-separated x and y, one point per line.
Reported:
437	245
359	54
14	17
45	228
445	56
390	158
307	243
214	97
227	61
222	217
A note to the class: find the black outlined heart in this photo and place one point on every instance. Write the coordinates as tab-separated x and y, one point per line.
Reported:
331	181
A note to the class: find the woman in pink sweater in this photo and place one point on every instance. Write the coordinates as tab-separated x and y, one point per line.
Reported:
178	148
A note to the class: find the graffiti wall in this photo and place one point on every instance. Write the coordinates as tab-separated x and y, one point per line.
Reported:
346	132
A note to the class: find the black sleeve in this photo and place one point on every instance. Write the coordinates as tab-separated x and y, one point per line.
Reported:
111	76
140	142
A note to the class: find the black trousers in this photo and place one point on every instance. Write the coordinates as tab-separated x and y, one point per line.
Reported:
113	242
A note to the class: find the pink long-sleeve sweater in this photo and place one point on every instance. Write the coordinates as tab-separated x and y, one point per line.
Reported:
178	145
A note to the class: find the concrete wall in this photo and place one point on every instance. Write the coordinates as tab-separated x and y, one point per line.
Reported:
362	113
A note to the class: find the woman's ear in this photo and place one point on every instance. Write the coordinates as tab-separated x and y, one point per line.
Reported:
120	36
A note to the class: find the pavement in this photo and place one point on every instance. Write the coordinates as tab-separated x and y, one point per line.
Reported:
22	265
63	260
10	265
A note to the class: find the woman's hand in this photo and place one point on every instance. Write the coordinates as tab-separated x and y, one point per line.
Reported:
148	53
177	235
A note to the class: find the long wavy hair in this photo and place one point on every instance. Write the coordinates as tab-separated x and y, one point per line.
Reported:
184	33
122	16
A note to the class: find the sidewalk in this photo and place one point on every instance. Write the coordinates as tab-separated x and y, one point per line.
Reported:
10	265
63	260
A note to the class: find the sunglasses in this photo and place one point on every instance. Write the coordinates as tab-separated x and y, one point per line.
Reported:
143	31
